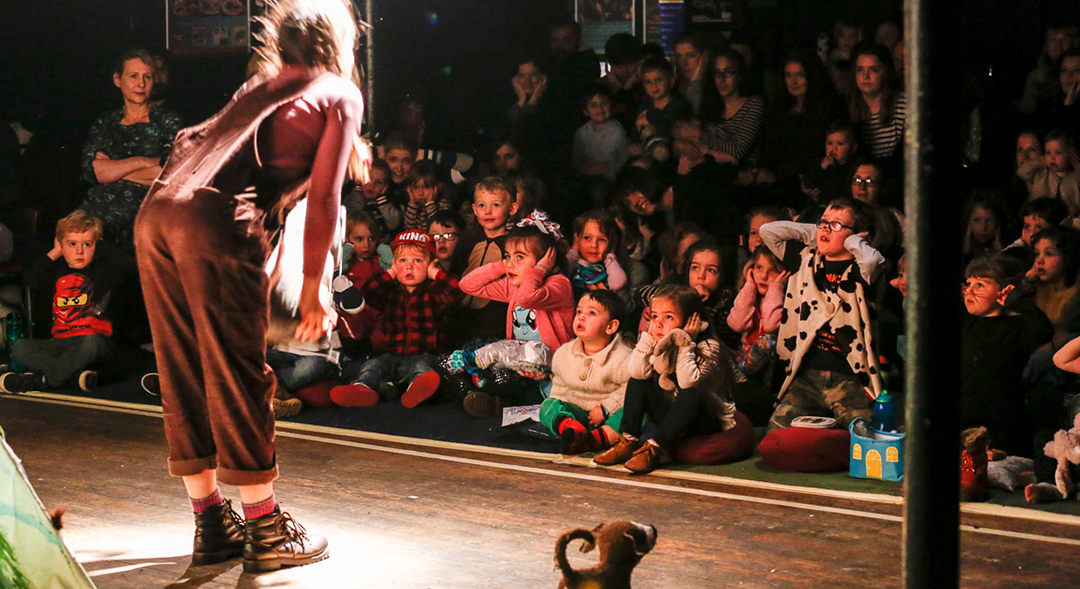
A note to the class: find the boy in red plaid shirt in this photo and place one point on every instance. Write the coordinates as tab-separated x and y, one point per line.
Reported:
412	297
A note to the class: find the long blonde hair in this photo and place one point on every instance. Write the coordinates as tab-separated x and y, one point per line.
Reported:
315	33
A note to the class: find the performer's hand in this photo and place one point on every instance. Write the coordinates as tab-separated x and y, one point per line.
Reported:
315	320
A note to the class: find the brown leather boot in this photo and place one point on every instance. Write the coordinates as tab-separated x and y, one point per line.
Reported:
619	453
219	535
645	460
276	540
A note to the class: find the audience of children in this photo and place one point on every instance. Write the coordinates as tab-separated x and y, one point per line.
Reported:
667	243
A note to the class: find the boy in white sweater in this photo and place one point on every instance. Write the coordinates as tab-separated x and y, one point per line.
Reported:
589	375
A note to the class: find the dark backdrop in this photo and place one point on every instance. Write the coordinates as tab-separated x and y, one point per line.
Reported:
456	55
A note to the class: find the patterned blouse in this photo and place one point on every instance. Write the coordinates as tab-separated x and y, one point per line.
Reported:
117	203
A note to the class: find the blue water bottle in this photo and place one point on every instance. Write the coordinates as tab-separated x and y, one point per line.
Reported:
884	412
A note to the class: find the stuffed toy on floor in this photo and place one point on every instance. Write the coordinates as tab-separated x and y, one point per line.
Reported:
1065	448
622	545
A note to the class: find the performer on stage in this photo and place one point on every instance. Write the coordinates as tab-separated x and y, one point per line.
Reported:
202	239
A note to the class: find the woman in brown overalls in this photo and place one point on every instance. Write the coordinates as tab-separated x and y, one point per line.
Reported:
289	132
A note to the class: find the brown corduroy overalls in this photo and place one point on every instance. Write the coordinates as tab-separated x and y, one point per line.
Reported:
201	247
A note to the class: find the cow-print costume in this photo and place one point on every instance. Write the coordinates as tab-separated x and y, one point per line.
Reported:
809	306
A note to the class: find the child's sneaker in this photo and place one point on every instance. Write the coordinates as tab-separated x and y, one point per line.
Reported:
151	384
13	382
480	404
573	437
354	395
421	389
87	380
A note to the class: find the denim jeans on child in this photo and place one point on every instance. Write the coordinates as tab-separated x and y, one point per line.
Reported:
60	359
397	369
296	371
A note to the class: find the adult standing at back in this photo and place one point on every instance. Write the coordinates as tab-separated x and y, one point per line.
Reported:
878	106
290	132
126	149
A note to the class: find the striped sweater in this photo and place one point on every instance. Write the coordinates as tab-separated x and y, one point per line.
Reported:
738	135
883	139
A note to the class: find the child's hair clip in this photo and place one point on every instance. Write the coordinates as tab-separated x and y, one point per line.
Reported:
539	219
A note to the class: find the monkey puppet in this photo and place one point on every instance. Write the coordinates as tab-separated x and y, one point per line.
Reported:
622	544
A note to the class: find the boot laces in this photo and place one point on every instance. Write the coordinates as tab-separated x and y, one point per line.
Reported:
292	528
236	517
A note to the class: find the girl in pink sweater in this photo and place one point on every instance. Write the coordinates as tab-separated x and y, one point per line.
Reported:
539	297
541	300
756	312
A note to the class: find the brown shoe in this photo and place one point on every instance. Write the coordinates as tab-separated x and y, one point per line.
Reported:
645	460
619	453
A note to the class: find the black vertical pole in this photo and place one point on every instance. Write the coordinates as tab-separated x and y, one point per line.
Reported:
933	203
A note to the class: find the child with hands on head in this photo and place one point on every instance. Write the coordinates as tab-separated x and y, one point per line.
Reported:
679	379
79	273
539	298
589	376
594	256
411	297
824	341
424	190
756	312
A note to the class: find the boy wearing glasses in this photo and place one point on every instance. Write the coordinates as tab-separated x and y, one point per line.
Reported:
824	343
445	229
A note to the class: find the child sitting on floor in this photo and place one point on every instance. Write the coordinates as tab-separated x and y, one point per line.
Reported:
412	297
824	340
756	312
369	258
995	345
593	259
683	384
540	299
588	377
80	272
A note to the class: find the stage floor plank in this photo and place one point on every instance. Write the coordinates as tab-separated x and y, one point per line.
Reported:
413	520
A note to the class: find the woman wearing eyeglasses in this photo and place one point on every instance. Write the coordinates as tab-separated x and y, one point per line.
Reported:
868	186
733	118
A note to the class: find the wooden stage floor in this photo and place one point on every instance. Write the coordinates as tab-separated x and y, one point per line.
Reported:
413	514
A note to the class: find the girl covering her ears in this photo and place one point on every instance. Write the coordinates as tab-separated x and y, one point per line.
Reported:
756	312
539	296
680	379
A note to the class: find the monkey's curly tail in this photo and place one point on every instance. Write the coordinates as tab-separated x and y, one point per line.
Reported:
561	563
